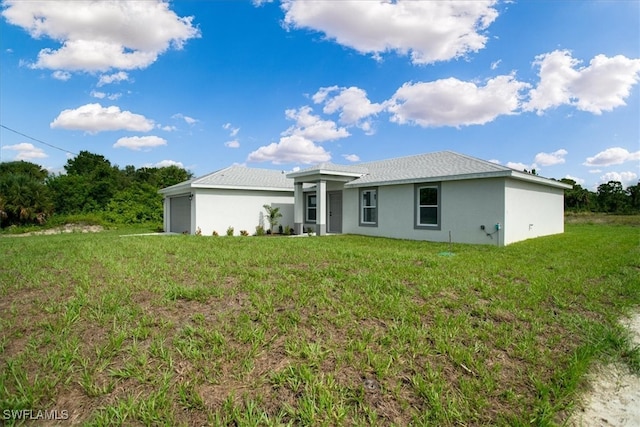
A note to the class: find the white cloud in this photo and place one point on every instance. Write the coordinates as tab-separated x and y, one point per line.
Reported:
61	75
138	143
167	163
232	144
168	128
519	166
550	159
95	118
428	31
311	127
102	95
290	149
578	181
118	77
352	103
232	131
626	178
496	64
612	156
26	151
601	86
452	102
351	157
187	119
100	36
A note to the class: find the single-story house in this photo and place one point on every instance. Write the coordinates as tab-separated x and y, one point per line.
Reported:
438	196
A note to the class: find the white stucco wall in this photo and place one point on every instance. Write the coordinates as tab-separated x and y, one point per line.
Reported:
532	210
465	206
218	209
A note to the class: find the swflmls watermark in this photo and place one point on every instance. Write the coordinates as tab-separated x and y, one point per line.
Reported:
33	414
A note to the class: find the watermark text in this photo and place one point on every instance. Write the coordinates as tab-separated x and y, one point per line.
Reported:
33	414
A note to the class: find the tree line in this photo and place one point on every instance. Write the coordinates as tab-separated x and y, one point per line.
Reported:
29	194
610	197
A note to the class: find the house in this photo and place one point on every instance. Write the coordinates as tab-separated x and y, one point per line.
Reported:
439	197
231	197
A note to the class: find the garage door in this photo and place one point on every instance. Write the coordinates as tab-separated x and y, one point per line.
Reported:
180	214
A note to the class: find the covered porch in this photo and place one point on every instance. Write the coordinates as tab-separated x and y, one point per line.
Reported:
320	205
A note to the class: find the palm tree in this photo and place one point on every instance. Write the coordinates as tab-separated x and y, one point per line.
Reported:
273	214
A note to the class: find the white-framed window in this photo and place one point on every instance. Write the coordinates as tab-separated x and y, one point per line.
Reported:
369	207
427	206
311	208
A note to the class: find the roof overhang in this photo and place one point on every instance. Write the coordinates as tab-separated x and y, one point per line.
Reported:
484	175
326	175
187	187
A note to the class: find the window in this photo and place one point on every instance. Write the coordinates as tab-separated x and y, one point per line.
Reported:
311	208
369	207
428	206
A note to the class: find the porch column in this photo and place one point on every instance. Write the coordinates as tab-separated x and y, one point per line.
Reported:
298	208
321	208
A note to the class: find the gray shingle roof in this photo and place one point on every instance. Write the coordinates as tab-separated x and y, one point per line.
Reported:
244	177
432	166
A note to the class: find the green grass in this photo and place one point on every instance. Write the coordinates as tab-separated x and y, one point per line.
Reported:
185	330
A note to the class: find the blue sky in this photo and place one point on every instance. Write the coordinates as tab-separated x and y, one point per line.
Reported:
550	85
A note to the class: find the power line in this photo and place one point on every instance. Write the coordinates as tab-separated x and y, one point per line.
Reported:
37	140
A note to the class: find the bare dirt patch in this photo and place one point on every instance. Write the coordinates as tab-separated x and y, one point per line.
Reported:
67	228
613	398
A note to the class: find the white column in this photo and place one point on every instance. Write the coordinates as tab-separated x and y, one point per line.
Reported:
321	208
298	208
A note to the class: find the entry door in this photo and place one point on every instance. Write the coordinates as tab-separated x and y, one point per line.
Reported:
334	212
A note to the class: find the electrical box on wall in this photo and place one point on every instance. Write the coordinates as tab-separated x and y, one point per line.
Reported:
498	226
482	227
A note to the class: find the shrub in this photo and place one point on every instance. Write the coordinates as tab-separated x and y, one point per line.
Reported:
198	232
287	230
230	231
215	233
273	214
259	230
244	233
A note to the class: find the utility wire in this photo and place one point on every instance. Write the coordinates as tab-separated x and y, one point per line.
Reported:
37	140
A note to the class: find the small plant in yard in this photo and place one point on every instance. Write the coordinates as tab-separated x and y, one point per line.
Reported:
215	233
230	231
273	215
259	230
198	232
244	233
287	230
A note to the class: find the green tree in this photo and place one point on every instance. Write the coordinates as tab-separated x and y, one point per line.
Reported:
633	193
578	198
273	215
612	197
23	200
21	167
88	186
138	203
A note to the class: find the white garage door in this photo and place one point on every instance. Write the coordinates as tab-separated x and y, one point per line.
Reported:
180	214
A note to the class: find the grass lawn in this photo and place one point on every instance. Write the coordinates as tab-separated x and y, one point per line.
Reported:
339	330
